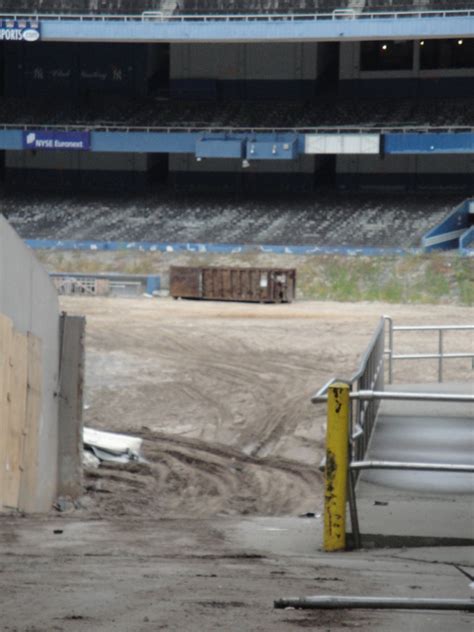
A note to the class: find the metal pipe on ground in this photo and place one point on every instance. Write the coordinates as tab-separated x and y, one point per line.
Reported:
387	603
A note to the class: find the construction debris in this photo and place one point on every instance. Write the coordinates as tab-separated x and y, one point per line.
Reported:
112	447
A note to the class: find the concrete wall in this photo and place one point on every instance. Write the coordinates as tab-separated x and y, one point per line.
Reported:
187	162
350	66
70	70
414	82
406	164
405	171
76	160
271	176
69	170
243	61
29	299
244	71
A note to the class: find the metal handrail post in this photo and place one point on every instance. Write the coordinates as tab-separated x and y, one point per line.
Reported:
351	495
389	351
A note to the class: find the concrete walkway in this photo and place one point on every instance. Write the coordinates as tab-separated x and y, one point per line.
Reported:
411	504
64	573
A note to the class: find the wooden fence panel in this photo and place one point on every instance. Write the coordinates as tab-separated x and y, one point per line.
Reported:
29	453
20	410
6	341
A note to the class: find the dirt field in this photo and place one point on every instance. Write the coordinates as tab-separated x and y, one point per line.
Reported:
221	394
208	532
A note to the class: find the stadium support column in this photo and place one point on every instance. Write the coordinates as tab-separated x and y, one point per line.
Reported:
158	169
71	384
158	69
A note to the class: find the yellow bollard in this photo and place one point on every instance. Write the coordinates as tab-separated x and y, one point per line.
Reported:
337	462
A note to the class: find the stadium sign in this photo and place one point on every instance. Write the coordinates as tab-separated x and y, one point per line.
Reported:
20	30
56	140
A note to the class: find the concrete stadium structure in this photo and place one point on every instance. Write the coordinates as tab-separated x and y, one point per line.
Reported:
329	94
41	358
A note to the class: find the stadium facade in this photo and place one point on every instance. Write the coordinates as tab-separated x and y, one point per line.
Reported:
236	95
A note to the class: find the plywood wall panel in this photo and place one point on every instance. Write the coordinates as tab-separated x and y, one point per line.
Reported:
29	451
6	340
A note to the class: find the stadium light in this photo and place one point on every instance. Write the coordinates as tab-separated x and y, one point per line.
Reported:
460	42
422	43
384	47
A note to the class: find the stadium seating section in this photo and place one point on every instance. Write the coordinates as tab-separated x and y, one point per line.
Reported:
82	6
119	112
221	6
312	6
365	219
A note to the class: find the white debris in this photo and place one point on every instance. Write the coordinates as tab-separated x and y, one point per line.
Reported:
89	460
110	446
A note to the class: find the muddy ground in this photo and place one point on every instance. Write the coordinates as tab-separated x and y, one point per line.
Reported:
207	533
220	392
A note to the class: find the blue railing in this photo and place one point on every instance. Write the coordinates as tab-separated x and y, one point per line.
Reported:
451	230
466	243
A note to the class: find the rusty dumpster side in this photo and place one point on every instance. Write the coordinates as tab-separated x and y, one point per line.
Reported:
258	285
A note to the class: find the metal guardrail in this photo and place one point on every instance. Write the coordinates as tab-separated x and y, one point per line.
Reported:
337	129
352	412
418	467
466	242
369	376
154	16
440	355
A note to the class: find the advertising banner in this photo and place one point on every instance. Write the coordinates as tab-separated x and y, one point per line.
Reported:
19	30
56	140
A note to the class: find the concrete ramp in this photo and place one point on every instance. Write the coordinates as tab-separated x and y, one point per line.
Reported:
412	504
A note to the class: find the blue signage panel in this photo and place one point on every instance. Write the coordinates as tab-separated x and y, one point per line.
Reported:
56	140
20	30
219	148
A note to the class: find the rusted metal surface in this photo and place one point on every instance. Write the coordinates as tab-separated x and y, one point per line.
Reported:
257	285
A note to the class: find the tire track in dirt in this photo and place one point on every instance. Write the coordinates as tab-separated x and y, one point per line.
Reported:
220	393
190	477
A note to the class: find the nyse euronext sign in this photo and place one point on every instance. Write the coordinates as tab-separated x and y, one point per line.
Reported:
56	139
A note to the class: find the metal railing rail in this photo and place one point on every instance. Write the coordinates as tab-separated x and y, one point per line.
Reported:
368	377
394	395
366	391
419	467
154	16
235	129
440	355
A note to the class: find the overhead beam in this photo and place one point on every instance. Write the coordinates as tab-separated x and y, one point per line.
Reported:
284	30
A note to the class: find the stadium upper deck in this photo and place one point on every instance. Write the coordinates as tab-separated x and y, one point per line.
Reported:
217	7
227	21
292	103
